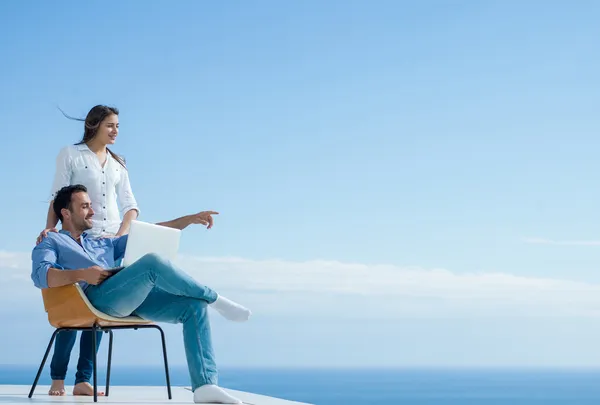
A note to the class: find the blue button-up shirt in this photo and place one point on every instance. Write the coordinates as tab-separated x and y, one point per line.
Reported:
61	251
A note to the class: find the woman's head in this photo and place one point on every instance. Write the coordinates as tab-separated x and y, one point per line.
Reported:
101	125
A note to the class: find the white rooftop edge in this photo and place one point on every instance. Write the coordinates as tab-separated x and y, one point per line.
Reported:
17	394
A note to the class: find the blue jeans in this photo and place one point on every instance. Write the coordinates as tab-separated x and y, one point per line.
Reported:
63	345
154	289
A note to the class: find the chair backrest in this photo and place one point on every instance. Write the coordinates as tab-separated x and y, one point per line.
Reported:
68	306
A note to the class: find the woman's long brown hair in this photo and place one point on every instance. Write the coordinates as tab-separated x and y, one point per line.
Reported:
91	124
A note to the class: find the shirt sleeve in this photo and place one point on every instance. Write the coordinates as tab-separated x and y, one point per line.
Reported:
43	257
119	245
125	195
62	172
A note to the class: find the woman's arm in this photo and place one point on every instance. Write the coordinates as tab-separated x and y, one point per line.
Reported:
126	222
127	203
62	178
62	173
51	222
51	219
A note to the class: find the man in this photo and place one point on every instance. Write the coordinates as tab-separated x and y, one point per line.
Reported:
152	288
60	361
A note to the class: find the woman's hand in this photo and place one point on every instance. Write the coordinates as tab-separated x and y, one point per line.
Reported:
126	222
44	233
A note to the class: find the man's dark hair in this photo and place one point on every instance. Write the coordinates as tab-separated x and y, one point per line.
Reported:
63	198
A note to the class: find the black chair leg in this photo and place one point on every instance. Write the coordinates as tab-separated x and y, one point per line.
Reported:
164	347
110	343
37	377
95	362
95	329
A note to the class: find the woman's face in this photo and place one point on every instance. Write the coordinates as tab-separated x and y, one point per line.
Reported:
108	130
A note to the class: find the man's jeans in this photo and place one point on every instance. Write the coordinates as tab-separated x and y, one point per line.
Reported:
63	345
156	290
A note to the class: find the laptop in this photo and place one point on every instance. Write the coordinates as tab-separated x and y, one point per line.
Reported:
147	238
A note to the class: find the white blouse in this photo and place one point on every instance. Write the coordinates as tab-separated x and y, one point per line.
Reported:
108	186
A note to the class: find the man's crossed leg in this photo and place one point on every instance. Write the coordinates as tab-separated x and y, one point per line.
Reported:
155	289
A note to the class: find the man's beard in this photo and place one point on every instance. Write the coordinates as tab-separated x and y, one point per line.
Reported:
84	224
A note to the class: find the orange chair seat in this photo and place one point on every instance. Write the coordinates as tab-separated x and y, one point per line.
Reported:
69	307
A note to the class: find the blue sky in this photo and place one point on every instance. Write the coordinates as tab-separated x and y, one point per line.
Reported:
437	135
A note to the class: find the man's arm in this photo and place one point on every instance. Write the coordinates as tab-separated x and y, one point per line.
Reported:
58	277
178	223
43	265
204	218
46	273
92	275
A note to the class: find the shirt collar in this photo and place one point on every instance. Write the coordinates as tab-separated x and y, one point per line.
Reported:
83	234
83	147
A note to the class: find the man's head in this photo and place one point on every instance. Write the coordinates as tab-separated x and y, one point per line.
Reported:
73	207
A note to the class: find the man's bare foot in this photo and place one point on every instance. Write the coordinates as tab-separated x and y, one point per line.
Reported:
85	389
57	388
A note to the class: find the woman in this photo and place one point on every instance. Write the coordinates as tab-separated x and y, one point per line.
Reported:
91	163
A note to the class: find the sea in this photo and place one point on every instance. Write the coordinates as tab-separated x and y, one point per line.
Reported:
374	386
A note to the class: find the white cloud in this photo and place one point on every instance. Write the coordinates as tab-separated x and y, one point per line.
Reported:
542	241
13	260
328	288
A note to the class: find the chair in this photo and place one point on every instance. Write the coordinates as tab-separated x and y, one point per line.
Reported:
68	308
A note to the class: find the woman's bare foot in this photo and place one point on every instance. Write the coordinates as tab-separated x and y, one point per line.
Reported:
57	388
85	389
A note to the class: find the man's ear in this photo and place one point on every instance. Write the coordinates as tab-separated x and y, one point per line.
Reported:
65	213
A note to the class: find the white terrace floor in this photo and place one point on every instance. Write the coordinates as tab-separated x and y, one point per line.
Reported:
17	394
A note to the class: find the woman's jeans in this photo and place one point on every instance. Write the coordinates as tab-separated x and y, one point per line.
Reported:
154	289
63	345
65	340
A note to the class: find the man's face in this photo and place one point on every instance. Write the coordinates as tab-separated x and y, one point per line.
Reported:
79	216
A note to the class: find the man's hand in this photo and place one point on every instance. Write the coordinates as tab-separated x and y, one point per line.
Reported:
204	218
43	234
94	275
